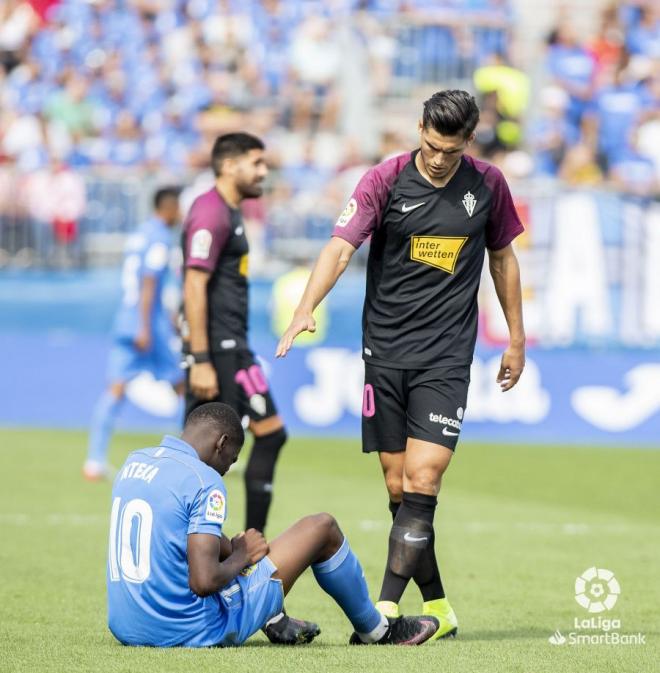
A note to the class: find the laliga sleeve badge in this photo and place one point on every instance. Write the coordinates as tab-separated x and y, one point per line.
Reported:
200	244
215	507
347	215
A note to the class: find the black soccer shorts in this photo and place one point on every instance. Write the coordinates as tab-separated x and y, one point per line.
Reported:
243	385
426	404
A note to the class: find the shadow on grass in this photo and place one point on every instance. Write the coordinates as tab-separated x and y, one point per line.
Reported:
510	634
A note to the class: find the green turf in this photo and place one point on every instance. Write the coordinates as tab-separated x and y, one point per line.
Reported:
515	526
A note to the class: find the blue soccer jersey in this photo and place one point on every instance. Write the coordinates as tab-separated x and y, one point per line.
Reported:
147	254
159	497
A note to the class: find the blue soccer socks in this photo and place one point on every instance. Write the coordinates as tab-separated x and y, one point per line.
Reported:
341	577
103	422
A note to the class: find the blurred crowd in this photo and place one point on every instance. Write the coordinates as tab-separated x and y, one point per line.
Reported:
600	112
330	85
151	82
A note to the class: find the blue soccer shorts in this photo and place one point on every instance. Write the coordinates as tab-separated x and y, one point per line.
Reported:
162	360
250	601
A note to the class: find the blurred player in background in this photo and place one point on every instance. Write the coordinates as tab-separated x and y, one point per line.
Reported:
144	330
431	214
215	295
184	583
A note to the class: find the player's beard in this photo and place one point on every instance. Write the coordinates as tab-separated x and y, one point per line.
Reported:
252	190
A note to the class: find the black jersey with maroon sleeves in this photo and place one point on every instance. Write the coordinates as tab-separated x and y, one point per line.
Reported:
426	256
214	241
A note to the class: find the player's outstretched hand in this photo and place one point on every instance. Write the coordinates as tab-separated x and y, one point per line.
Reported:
204	381
300	323
251	543
511	367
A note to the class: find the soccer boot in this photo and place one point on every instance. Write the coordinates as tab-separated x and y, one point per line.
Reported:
95	471
443	612
290	631
404	631
388	608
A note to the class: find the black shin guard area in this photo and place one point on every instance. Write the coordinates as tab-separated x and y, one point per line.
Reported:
427	576
411	533
259	477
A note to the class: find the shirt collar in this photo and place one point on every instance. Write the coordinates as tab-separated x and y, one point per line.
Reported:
170	442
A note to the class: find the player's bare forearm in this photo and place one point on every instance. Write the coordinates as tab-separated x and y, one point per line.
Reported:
206	574
225	548
203	378
194	297
146	303
505	272
330	265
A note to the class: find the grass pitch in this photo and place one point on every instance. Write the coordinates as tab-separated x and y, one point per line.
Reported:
515	526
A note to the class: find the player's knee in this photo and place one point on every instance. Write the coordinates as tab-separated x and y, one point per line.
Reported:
263	457
424	482
327	525
325	521
394	485
329	532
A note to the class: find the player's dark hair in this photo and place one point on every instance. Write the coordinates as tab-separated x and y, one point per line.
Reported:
232	145
451	112
221	417
164	193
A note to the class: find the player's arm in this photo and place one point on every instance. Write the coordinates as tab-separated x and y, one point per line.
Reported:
206	574
331	263
203	378
225	547
505	272
146	303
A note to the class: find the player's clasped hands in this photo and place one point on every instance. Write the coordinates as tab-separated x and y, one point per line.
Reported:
251	543
204	381
300	323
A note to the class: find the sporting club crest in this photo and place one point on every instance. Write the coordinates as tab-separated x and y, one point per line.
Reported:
469	202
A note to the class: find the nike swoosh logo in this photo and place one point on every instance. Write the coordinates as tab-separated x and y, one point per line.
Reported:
409	538
407	209
449	433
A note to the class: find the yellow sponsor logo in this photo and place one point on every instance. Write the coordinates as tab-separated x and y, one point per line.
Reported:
438	251
243	265
246	572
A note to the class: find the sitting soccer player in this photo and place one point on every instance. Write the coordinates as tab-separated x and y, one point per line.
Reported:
174	579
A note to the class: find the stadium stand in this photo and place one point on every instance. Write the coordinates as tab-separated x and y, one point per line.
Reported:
94	93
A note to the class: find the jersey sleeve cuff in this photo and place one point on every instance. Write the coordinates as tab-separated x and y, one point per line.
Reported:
502	243
346	236
207	528
199	265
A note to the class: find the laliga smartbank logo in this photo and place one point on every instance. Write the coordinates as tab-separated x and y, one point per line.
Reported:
597	590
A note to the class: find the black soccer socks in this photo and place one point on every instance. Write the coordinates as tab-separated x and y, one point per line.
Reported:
410	537
259	477
427	575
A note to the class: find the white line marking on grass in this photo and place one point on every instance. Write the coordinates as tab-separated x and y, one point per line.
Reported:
20	519
536	527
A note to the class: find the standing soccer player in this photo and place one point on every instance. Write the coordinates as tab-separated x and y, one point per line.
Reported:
144	330
431	214
215	295
175	579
